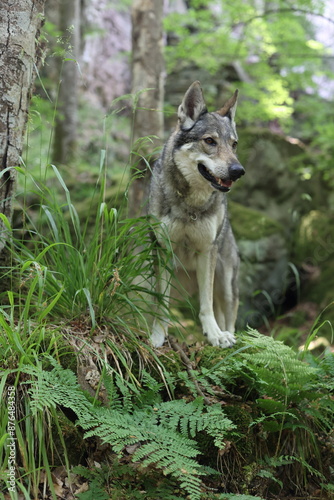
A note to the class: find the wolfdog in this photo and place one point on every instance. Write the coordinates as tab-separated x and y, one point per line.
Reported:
196	169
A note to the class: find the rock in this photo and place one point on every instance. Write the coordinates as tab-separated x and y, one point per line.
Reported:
264	264
314	254
275	182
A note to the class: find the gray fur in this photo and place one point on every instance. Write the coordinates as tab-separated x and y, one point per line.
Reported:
188	195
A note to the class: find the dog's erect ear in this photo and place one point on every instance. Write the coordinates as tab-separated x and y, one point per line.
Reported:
192	106
230	107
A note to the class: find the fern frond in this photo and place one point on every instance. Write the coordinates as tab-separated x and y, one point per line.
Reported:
160	445
192	418
232	496
56	387
278	371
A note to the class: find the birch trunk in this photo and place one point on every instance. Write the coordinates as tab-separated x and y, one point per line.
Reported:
20	23
147	73
65	134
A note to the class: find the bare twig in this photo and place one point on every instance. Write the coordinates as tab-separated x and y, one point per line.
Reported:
189	367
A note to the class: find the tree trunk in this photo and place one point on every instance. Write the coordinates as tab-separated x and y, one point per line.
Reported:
65	134
147	73
20	23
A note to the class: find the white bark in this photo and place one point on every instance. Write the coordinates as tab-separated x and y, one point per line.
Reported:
20	22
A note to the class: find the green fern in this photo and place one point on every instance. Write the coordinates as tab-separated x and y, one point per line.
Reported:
56	387
288	459
160	447
274	369
123	481
192	418
232	496
97	479
95	492
326	367
162	434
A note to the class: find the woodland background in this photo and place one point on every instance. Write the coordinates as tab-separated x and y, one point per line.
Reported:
281	59
186	421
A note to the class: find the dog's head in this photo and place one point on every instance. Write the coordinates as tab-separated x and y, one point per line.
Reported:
206	142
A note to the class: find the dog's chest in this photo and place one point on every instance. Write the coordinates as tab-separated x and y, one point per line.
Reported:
193	236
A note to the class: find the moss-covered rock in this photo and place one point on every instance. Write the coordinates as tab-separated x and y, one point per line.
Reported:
264	258
209	356
276	177
314	254
241	416
250	224
171	361
315	241
66	432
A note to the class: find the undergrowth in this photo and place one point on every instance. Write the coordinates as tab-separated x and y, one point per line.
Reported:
182	438
256	420
85	268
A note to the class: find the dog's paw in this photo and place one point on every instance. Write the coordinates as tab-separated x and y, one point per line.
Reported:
158	334
222	339
215	335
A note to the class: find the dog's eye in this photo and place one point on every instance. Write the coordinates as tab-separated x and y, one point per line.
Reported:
235	144
210	141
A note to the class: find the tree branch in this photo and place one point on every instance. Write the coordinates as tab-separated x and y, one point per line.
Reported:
285	10
189	367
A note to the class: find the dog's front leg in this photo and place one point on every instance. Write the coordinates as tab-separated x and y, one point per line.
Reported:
205	269
160	324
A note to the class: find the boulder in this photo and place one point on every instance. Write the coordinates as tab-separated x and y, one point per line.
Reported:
264	265
314	254
277	180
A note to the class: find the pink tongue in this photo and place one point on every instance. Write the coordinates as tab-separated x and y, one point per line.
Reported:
226	183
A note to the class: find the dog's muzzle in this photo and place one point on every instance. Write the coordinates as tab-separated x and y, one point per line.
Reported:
235	171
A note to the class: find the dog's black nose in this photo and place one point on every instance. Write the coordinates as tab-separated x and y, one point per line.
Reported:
235	171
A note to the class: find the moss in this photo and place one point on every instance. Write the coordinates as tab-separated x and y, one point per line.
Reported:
241	416
171	361
321	292
315	243
248	136
74	442
241	437
209	356
250	224
315	251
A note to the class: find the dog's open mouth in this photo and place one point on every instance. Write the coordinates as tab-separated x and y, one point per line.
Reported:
216	182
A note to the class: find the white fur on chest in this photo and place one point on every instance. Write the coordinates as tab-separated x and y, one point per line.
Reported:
190	229
191	238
